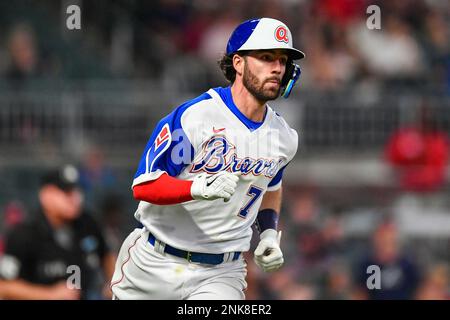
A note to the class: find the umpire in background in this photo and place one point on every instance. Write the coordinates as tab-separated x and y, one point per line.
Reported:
43	256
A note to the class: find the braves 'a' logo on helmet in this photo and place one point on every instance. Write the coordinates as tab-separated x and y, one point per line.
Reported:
281	34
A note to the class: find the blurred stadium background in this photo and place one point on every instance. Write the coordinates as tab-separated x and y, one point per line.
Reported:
366	177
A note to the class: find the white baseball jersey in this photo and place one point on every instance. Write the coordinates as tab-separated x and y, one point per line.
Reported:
210	134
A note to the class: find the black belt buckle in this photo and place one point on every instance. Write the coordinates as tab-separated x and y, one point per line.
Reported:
189	256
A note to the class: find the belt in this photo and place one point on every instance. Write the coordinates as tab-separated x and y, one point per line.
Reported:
207	258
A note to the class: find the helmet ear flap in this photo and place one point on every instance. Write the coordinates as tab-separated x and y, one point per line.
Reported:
290	77
288	72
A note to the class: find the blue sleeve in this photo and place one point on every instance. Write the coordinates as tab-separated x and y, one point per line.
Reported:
276	180
168	150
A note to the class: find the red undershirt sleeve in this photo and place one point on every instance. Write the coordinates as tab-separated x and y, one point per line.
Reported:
164	191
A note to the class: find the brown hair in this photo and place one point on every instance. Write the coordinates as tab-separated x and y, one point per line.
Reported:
226	65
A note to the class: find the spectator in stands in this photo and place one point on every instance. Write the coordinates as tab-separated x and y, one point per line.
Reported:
340	12
97	178
317	234
419	154
332	64
401	57
436	285
38	253
94	172
399	273
437	47
23	51
211	44
337	283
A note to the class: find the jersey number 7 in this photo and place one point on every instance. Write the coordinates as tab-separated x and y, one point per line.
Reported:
254	192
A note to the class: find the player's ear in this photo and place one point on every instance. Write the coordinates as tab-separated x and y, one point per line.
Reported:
238	63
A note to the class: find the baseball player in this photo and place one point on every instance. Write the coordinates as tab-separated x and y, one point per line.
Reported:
211	169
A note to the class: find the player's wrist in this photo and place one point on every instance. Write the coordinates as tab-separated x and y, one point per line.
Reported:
267	219
270	234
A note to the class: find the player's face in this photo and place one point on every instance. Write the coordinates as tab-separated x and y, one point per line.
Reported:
263	71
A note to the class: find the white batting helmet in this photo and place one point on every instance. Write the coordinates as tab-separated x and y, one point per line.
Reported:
260	34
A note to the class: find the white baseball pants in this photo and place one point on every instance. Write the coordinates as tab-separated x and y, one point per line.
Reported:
143	272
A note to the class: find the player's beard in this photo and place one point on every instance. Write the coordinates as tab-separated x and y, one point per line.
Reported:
256	88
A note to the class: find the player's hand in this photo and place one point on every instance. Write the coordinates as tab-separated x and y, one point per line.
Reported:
219	185
268	254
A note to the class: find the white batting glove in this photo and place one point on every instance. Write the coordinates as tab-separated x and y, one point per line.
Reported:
268	254
219	185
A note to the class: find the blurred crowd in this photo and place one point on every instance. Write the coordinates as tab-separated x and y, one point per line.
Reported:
328	246
326	259
178	42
